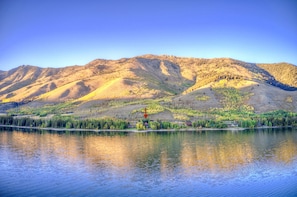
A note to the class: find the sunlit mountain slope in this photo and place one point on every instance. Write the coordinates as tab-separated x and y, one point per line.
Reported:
187	81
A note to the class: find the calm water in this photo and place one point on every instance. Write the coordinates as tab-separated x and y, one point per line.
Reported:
212	163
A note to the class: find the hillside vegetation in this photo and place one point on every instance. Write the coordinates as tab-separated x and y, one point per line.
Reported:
283	72
172	88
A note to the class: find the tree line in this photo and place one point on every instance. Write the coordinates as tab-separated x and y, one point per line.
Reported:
156	125
277	118
65	122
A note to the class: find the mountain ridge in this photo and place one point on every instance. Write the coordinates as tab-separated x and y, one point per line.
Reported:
154	77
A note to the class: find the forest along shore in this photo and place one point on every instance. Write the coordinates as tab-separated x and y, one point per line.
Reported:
140	131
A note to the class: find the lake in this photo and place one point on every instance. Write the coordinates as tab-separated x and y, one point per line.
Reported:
188	163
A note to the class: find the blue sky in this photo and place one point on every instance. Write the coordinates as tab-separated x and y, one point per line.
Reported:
63	33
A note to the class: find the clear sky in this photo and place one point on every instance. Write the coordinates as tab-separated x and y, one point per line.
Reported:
55	33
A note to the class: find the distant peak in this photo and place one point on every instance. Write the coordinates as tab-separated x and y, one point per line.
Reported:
147	56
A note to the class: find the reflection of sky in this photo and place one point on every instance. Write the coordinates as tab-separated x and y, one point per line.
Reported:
60	33
209	162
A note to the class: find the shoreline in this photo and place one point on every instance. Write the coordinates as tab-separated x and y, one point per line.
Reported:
141	131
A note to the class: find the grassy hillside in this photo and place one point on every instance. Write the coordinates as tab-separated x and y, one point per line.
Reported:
172	88
282	72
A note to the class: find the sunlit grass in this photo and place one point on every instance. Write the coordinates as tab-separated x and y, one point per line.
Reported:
6	100
289	99
182	117
202	98
58	108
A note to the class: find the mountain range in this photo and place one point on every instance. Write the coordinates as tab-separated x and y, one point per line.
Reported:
192	83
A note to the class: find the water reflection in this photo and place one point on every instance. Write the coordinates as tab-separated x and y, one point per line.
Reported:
210	151
286	151
137	157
